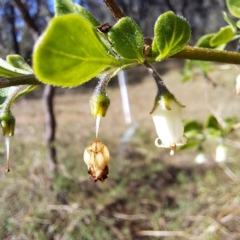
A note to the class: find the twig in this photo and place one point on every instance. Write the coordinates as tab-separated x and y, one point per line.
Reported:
114	9
207	54
164	234
18	80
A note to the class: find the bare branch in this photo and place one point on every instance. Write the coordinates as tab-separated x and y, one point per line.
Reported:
114	9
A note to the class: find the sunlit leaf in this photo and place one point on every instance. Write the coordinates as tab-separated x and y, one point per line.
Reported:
63	7
171	34
204	41
224	35
234	7
18	62
6	69
70	52
127	39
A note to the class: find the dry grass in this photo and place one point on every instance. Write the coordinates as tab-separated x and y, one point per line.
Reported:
148	194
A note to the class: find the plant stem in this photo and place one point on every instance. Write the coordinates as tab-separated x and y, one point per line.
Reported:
18	80
114	9
206	54
11	98
162	88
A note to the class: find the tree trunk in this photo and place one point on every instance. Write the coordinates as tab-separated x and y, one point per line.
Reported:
50	127
48	95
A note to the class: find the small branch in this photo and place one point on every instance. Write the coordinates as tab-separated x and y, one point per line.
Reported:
26	16
206	54
114	9
18	80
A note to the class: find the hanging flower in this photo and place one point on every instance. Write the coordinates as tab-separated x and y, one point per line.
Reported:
167	117
97	156
237	87
221	153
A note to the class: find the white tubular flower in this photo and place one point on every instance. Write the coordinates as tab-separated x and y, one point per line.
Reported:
221	153
167	117
238	85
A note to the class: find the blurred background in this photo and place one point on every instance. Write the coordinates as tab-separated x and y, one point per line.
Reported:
148	195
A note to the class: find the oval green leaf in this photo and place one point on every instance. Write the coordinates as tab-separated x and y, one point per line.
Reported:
17	61
63	7
127	39
70	53
224	35
204	41
8	70
171	34
234	7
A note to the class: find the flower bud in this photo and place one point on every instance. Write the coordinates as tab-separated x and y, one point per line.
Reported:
99	104
97	156
7	123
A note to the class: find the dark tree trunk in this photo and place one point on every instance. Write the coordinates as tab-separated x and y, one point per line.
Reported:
50	126
48	95
11	20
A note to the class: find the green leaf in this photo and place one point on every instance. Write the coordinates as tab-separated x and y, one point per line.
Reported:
238	23
127	39
63	7
229	21
155	50
70	53
9	91
234	7
171	34
193	129
6	69
18	62
212	127
230	122
192	125
190	144
212	122
204	41
224	35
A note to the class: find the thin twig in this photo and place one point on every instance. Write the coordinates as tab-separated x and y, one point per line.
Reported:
18	80
114	9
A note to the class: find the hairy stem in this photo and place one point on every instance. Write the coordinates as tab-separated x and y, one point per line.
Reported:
206	54
162	88
18	80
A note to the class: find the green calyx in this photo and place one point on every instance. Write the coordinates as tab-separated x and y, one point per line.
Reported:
99	104
7	123
164	100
